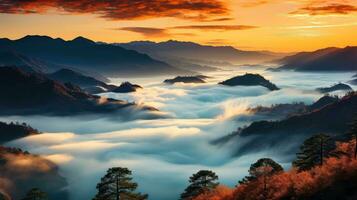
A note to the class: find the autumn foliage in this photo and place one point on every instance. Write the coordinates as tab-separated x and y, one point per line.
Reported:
335	179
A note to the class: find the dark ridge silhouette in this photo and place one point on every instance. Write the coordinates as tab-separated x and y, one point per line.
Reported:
24	93
30	64
329	59
282	111
331	118
186	79
87	83
196	53
12	131
337	87
322	102
86	55
126	87
279	110
34	172
250	80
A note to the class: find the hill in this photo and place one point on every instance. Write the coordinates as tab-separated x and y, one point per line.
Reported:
14	131
186	79
22	171
127	87
250	80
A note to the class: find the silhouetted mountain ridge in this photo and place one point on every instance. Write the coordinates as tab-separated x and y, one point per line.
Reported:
328	59
84	54
194	52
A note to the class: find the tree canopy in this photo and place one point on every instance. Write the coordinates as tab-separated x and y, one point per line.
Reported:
263	167
313	151
118	184
200	182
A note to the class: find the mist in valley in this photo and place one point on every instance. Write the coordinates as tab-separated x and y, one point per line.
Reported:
164	152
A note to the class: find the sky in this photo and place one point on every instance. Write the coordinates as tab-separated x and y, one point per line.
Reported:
276	25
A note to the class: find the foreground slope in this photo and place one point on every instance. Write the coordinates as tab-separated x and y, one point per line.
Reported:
22	171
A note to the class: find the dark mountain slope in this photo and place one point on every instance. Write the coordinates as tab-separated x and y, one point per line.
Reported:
333	118
76	78
329	59
84	54
24	93
13	131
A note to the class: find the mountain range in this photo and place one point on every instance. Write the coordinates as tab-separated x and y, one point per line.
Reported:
51	54
328	59
188	52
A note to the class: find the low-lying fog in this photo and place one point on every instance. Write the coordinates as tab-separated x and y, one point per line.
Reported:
163	153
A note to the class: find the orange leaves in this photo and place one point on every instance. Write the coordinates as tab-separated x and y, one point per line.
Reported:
220	193
294	184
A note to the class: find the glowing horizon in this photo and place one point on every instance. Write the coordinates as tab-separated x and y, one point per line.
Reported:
275	25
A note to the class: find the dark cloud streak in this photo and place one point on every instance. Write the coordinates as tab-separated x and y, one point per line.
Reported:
217	27
327	9
147	32
122	9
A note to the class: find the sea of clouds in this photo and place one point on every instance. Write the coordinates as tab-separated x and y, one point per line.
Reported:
163	153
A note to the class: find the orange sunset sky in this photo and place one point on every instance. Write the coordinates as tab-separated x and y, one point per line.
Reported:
277	25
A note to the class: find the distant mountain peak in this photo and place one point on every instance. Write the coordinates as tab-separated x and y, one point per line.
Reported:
82	40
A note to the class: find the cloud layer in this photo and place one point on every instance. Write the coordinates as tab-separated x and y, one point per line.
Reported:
163	153
121	9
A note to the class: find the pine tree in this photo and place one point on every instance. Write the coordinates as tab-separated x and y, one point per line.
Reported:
36	194
313	152
200	182
117	184
255	170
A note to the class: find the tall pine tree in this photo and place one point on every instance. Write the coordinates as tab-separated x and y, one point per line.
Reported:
200	182
263	168
313	152
260	167
117	184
